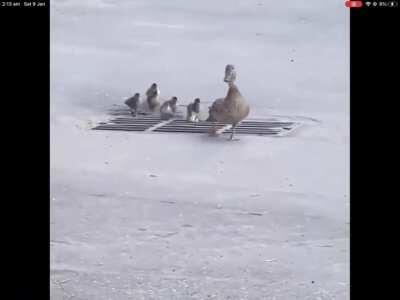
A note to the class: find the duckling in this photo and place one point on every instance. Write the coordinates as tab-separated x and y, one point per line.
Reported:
153	97
193	111
133	103
168	109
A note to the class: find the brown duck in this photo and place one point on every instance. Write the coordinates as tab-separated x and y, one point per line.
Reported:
233	108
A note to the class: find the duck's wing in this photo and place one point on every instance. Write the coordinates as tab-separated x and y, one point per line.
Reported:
129	101
218	106
218	110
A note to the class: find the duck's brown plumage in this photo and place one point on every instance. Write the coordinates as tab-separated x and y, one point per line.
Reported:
231	109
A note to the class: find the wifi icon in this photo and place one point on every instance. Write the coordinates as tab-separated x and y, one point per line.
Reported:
368	3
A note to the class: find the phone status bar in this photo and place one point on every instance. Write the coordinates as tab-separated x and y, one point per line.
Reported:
371	4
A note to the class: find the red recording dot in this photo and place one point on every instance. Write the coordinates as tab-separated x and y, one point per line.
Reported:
354	4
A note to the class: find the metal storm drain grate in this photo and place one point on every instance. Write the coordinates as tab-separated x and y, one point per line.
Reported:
139	123
124	121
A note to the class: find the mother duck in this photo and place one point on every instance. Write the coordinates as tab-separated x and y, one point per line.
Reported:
233	108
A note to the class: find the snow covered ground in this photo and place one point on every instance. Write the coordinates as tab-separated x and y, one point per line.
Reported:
186	216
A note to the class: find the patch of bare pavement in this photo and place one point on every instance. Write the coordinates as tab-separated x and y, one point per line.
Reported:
151	249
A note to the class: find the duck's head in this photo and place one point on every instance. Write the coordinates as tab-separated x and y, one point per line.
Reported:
197	100
174	100
230	74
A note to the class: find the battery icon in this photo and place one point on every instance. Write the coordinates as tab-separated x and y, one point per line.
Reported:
353	4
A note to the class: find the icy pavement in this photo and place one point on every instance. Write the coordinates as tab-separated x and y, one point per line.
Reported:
138	216
163	216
